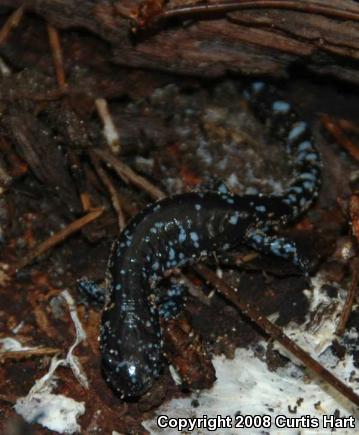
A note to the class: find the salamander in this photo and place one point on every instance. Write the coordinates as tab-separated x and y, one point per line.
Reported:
184	228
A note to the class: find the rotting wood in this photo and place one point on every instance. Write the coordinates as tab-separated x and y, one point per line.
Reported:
265	41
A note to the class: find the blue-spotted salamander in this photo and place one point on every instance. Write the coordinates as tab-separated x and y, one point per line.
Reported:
182	229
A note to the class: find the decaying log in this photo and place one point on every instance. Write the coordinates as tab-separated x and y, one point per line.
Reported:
33	142
261	41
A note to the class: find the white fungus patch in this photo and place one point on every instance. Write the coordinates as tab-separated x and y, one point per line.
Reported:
9	344
55	411
246	385
316	334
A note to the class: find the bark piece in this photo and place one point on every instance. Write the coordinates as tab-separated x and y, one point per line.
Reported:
251	42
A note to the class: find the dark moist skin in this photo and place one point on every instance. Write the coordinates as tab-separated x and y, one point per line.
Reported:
181	229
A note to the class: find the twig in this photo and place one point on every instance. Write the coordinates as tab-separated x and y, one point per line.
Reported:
58	238
143	20
78	175
109	130
347	125
276	333
50	95
349	302
28	353
336	131
55	43
10	24
354	214
194	290
111	189
85	201
128	175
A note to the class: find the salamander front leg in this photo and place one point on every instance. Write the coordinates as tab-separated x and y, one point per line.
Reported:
92	292
278	246
170	304
214	184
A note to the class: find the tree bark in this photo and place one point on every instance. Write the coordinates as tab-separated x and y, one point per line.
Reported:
253	42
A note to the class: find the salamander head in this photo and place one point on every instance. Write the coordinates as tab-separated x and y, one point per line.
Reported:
130	360
127	378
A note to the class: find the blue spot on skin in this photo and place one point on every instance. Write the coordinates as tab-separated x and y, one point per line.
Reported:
281	107
301	157
223	188
234	219
288	248
275	247
228	198
257	238
258	86
182	235
156	265
296	189
296	131
261	208
307	176
305	146
194	237
171	254
132	370
309	185
292	198
311	157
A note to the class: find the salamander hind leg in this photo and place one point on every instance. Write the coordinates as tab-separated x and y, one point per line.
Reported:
278	246
170	304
